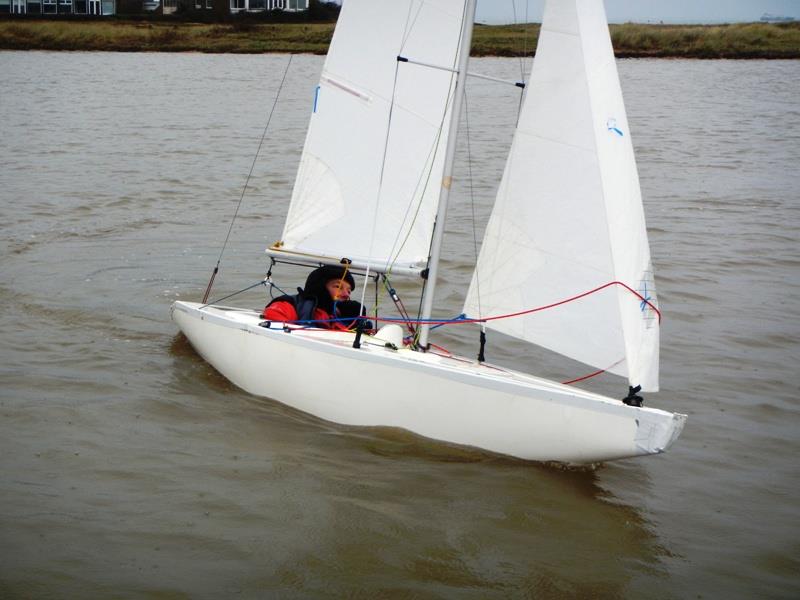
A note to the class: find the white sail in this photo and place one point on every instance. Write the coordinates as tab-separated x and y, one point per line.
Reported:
374	152
568	216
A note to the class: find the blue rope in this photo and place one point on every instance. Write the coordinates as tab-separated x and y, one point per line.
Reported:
439	322
460	317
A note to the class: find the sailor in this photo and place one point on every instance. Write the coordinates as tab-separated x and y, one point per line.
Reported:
324	298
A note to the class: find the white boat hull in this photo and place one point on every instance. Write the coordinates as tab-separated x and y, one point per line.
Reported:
444	398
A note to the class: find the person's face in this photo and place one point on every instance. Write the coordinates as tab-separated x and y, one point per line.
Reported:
339	289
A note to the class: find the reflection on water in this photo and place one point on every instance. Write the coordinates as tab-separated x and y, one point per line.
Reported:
132	469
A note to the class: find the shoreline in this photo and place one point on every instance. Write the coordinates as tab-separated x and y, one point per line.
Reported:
731	41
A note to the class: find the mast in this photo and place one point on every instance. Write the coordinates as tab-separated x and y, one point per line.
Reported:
447	175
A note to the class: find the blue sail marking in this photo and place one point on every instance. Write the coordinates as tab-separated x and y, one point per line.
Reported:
611	124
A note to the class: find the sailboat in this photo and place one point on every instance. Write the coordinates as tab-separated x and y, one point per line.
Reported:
567	233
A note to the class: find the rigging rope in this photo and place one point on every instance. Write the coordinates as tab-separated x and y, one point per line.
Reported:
482	338
522	55
249	287
247	181
462	318
412	339
426	172
643	301
585	377
401	307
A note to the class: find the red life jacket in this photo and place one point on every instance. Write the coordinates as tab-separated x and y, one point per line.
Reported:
302	309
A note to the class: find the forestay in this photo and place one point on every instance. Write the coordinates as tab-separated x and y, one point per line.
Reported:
568	216
369	177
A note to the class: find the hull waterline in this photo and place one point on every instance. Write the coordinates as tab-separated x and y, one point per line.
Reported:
443	398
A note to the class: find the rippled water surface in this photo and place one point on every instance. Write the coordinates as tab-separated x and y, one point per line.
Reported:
130	469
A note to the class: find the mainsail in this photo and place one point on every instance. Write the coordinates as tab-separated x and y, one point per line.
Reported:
368	183
568	217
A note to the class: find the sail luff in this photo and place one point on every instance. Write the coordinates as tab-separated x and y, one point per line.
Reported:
447	175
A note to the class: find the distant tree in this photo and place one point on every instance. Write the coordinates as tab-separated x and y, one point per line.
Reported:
319	10
130	7
221	10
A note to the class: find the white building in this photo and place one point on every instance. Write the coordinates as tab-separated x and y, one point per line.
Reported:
59	7
264	5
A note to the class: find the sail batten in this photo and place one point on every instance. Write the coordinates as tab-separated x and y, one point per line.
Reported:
568	216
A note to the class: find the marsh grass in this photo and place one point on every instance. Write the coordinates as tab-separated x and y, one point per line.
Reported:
504	40
164	36
747	40
741	40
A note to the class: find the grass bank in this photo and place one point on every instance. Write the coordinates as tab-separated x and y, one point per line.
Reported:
164	36
746	40
741	40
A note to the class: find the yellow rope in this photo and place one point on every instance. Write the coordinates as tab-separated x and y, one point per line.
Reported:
341	281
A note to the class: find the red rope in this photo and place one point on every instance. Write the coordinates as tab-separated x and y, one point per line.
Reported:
530	310
540	308
440	349
578	297
589	376
527	312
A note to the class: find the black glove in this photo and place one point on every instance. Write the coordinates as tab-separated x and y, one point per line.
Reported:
350	309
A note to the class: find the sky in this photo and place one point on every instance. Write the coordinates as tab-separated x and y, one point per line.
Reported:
648	11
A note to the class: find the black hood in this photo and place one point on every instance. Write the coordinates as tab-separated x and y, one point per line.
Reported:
315	285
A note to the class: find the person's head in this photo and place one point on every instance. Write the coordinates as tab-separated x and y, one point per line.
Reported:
339	289
329	284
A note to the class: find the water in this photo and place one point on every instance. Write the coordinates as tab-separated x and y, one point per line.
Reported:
131	469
